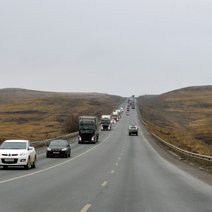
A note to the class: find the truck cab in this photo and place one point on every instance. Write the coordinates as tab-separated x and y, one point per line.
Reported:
106	122
88	129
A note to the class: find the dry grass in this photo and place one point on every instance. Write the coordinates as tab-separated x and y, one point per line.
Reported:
182	117
37	115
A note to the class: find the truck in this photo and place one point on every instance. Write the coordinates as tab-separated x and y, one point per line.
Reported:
88	129
106	122
115	116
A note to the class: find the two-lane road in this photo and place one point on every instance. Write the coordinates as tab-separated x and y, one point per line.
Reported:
120	173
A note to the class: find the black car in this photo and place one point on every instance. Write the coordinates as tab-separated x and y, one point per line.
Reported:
59	148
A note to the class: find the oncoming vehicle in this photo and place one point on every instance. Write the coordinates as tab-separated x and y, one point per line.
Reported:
115	116
88	129
17	153
133	130
106	122
58	148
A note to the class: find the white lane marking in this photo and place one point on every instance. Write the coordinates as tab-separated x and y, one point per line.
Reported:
51	167
85	209
119	158
112	172
104	184
117	164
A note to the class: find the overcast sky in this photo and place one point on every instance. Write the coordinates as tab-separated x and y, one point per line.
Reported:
121	47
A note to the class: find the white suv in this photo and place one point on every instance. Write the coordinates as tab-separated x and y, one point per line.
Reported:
17	153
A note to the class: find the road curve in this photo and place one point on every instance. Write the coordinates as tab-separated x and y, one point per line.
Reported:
121	173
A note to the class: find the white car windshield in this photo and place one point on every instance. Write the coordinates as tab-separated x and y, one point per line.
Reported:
13	145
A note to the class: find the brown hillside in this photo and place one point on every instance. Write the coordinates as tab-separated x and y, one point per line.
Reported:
37	115
182	117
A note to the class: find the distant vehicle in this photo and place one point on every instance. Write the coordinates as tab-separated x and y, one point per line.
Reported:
17	153
106	122
121	109
133	106
113	121
88	129
115	116
58	148
119	112
133	130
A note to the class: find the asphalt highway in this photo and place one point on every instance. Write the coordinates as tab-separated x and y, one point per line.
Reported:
120	173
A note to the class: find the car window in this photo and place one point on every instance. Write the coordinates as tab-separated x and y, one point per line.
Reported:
13	145
58	143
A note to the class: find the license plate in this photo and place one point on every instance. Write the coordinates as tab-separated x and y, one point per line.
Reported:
9	160
56	153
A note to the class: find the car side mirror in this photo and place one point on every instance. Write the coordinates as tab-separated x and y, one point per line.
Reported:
30	148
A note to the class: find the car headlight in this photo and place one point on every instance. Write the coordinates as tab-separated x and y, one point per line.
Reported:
24	154
48	149
64	149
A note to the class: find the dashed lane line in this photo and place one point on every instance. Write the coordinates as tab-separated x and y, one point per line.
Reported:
104	183
86	208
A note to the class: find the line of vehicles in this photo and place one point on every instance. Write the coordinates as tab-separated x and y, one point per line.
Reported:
20	153
133	128
89	126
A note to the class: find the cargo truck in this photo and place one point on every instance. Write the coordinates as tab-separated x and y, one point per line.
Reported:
106	122
115	116
88	129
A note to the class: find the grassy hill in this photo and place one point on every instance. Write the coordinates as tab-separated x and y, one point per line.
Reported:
36	115
182	117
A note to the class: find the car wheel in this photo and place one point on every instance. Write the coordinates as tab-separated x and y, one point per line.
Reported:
29	165
34	163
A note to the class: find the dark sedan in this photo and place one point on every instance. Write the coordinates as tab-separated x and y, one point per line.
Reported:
59	148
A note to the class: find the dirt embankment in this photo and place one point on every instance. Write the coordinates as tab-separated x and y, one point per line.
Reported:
182	117
36	115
